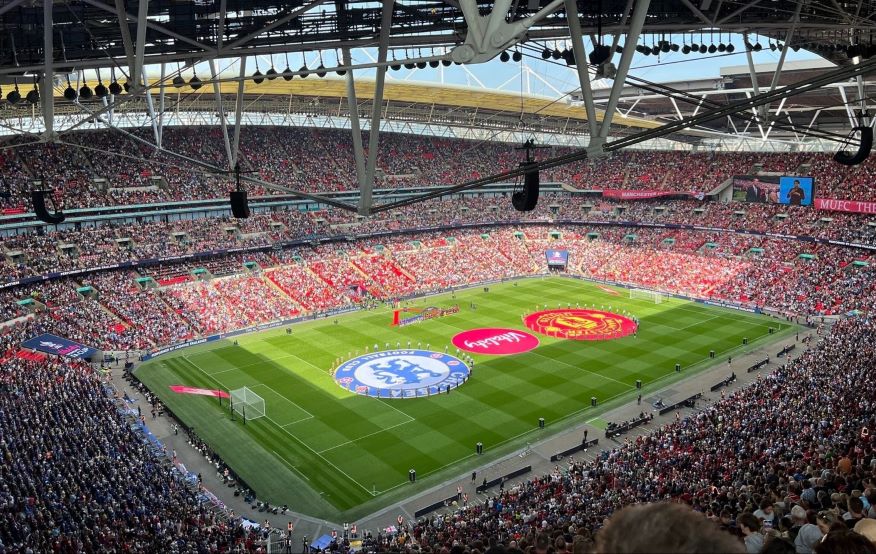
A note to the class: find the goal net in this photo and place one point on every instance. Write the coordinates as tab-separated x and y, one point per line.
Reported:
651	295
247	404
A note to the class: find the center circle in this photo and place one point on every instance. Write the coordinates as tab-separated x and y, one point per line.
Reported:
581	324
402	373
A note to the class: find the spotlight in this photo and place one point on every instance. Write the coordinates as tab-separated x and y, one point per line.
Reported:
674	47
14	97
70	93
664	46
712	49
796	48
421	65
504	56
446	63
100	90
33	97
304	75
115	88
257	77
722	47
178	81
685	49
772	46
271	74
619	49
395	67
85	92
646	50
545	54
287	73
730	48
517	56
195	82
410	65
569	57
640	49
556	54
694	47
127	86
757	47
320	71
703	48
601	54
341	71
434	63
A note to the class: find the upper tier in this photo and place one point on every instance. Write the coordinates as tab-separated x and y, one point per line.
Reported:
103	168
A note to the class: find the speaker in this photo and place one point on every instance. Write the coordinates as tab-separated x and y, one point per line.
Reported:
239	204
847	158
38	199
525	200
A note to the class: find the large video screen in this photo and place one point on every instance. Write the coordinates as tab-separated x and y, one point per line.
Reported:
557	257
770	189
796	191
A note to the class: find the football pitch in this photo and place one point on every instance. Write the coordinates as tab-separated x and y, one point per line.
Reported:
330	453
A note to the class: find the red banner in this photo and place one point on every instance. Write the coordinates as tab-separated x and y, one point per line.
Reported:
182	389
645	194
854	206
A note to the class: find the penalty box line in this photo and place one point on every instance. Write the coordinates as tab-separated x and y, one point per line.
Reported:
357	439
299	441
309	415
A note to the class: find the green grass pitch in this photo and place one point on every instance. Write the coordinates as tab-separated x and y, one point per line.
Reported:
329	453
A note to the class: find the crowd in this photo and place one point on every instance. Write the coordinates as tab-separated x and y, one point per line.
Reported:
175	301
780	464
107	167
78	476
785	463
41	251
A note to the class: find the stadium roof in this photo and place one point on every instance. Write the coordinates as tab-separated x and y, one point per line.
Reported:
829	108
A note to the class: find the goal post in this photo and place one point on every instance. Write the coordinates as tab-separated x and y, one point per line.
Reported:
645	294
247	404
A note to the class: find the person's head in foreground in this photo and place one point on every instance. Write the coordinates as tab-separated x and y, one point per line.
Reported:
664	528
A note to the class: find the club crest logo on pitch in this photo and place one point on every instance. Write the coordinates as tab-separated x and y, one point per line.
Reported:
581	324
402	373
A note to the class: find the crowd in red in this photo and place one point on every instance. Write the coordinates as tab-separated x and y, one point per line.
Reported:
155	305
104	168
41	251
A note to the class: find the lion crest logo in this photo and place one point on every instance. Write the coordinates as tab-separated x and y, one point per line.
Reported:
399	371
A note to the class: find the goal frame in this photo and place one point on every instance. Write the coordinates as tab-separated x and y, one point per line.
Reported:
646	294
247	404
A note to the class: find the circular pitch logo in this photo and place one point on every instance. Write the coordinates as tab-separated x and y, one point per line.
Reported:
580	324
402	373
495	342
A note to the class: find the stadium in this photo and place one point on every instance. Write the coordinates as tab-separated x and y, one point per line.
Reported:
437	276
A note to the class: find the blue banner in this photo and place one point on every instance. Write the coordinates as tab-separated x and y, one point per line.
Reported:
59	346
